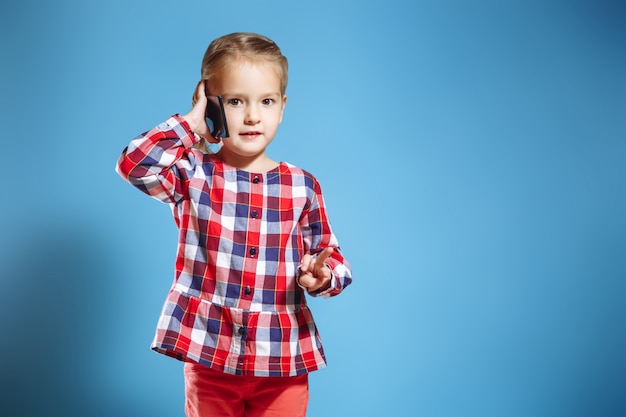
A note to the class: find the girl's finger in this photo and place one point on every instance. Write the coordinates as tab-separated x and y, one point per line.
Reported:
323	255
304	265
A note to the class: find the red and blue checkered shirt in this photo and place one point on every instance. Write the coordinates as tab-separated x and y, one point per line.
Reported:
234	304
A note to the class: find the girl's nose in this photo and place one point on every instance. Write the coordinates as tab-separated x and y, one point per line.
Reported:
252	115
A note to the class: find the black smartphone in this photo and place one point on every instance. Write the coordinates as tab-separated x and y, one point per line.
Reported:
216	118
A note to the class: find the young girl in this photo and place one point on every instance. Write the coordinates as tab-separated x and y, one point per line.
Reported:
254	236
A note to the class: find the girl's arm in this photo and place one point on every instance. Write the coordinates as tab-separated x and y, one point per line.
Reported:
324	271
155	162
152	162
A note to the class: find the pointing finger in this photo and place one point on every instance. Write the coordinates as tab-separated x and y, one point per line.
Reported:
323	255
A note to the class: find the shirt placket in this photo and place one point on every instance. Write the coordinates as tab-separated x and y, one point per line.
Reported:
253	240
237	356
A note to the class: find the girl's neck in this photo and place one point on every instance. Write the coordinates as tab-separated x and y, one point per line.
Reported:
258	164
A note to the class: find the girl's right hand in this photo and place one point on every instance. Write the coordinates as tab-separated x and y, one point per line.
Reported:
196	116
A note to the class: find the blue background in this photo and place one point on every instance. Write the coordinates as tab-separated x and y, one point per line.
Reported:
472	154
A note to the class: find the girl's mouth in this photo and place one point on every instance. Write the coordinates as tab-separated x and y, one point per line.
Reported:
250	134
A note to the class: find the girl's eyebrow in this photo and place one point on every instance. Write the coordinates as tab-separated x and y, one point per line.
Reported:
245	95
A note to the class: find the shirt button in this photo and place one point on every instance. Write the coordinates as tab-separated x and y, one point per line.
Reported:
253	251
241	330
255	214
256	180
248	290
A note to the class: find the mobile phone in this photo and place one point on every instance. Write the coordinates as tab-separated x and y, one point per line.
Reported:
215	117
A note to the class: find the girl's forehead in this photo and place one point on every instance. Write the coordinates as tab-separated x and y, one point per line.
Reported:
246	70
245	63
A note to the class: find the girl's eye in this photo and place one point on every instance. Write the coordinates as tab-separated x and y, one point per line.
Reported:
268	101
234	101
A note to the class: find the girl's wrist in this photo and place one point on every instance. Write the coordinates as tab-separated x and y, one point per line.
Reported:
193	124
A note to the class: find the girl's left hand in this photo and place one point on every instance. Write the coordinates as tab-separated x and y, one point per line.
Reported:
314	273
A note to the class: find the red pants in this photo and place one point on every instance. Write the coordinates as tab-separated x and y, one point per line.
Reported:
211	393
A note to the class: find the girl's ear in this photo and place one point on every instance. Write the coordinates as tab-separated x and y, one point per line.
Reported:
283	109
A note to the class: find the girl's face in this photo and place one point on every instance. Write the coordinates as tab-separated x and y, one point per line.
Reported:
254	107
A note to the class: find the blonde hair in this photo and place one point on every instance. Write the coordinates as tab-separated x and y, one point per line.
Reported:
252	46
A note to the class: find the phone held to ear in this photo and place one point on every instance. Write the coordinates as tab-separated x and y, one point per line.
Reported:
216	118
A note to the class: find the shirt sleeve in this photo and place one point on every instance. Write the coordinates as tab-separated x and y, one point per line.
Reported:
152	162
318	235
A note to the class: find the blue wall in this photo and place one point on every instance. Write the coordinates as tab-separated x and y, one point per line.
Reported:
473	155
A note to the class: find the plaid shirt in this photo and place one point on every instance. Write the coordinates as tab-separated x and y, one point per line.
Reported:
235	305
